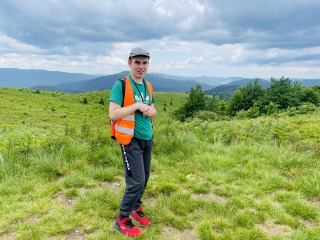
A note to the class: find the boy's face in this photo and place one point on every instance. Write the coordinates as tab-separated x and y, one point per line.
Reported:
139	66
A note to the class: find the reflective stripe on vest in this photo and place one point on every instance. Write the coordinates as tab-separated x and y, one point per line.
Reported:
125	130
129	118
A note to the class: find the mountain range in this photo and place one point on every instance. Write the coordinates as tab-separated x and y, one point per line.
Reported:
79	82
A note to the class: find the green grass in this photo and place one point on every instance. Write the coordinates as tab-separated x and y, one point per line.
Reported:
61	175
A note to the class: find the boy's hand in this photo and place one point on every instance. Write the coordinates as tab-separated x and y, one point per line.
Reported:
150	112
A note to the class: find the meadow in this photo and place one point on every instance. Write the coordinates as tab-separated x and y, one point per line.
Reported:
61	174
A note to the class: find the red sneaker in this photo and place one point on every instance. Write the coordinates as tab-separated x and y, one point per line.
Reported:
140	218
126	227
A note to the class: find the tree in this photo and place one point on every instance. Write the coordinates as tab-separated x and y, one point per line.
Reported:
196	102
213	103
310	94
222	108
237	101
284	93
197	99
254	94
246	97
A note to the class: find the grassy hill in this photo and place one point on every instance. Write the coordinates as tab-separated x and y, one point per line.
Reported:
61	174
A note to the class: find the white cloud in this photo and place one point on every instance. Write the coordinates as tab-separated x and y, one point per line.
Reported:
8	44
186	37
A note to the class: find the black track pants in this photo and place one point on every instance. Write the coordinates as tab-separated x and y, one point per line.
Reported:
136	158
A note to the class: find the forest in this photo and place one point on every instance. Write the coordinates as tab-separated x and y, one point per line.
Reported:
253	100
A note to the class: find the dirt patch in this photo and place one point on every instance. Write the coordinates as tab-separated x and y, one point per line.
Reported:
149	202
272	228
209	196
33	218
67	202
268	200
317	203
191	177
253	210
7	235
114	186
310	224
173	233
77	234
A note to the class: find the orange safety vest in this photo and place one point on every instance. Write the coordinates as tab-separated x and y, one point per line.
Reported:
123	129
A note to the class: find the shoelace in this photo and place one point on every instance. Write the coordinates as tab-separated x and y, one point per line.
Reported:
128	223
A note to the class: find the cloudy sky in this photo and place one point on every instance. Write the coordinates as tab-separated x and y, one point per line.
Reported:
248	38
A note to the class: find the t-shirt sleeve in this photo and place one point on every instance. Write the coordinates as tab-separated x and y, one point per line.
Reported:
116	94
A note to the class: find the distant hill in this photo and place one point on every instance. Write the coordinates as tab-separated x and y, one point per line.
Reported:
231	87
245	81
213	81
159	83
14	77
78	82
308	82
225	89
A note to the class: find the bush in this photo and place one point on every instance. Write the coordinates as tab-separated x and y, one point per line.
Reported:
101	101
207	115
241	114
292	111
271	108
307	107
253	112
196	102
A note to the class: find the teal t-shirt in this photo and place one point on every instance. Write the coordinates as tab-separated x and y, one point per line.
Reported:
143	125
